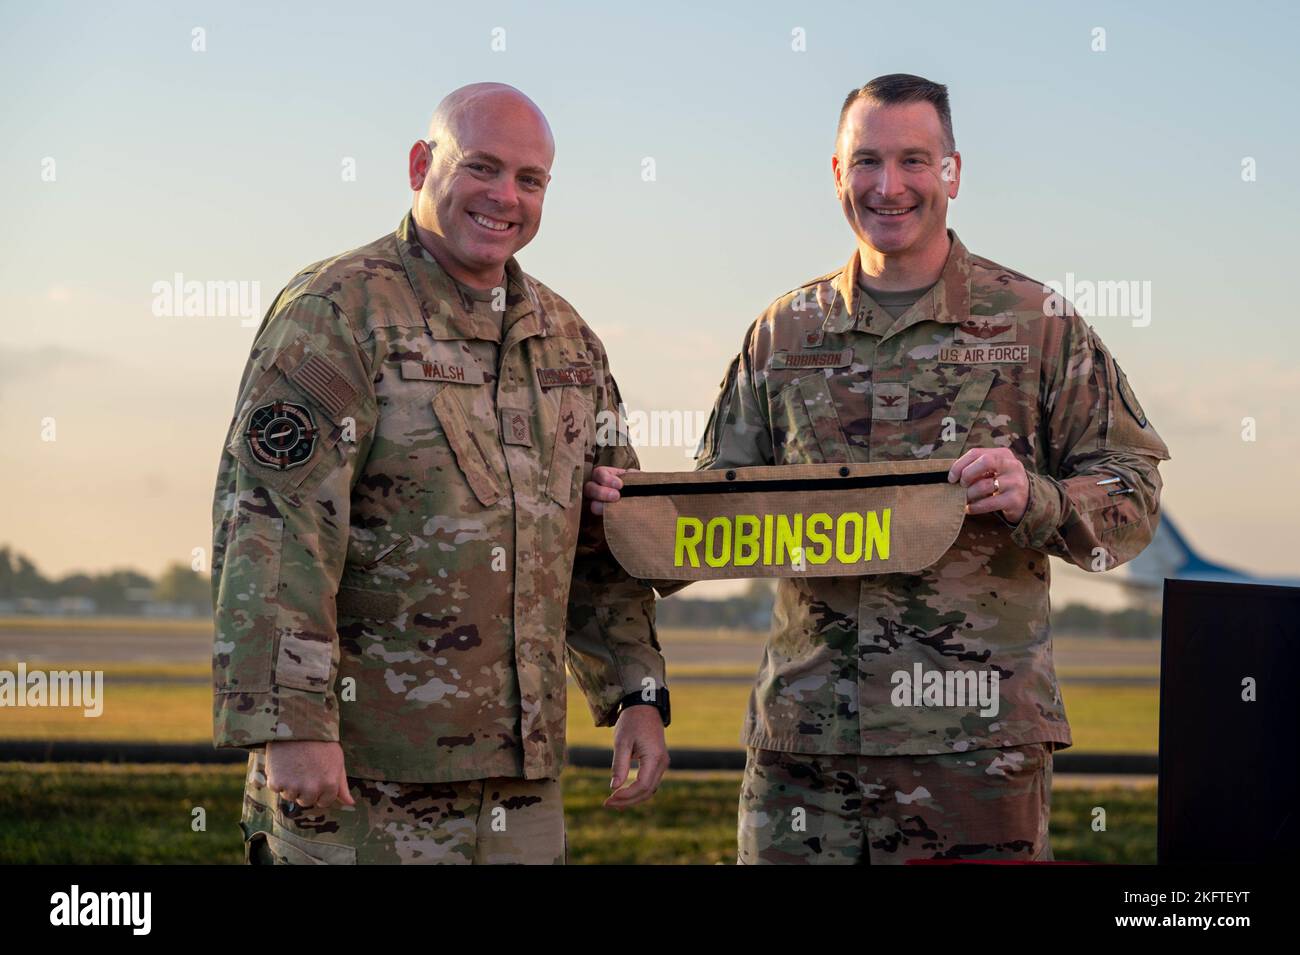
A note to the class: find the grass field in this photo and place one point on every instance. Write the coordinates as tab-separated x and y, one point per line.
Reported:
156	696
1105	718
156	690
96	814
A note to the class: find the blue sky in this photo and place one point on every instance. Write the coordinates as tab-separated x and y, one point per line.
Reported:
225	164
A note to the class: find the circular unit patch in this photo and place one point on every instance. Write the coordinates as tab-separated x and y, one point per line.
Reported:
281	435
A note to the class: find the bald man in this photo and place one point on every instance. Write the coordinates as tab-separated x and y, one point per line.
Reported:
401	567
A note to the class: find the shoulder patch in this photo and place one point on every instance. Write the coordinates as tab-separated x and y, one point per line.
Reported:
281	435
1129	399
317	376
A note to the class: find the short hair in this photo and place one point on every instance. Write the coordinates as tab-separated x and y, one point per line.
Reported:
903	88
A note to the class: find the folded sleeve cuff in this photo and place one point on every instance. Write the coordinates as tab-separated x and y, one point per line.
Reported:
634	675
280	713
1042	518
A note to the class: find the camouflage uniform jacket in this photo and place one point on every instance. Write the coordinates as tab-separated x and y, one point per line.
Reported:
827	375
397	557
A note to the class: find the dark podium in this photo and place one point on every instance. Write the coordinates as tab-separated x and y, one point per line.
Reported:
1228	767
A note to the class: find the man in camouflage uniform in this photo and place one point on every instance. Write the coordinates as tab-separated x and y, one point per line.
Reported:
400	569
919	349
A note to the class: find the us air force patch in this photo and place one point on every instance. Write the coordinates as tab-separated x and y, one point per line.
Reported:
281	435
983	340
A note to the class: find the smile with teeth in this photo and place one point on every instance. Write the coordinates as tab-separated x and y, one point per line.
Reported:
891	212
496	225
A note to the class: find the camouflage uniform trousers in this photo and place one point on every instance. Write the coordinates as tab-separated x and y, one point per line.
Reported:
803	808
478	821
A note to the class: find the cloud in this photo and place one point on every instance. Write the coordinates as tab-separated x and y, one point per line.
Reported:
34	363
1214	401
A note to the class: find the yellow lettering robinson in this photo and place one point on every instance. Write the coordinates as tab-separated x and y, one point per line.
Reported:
775	541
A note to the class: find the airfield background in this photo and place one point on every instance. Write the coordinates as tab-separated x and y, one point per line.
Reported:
1140	148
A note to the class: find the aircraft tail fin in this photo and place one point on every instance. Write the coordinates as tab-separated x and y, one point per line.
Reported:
1168	555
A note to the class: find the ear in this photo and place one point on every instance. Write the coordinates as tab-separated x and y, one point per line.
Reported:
951	168
837	170
420	160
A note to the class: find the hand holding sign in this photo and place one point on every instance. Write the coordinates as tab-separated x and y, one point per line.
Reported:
994	480
603	487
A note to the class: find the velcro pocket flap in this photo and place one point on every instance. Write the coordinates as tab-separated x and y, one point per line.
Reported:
460	435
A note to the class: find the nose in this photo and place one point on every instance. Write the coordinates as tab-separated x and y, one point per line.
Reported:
890	181
504	192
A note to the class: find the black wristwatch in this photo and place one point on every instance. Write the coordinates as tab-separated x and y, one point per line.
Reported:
660	703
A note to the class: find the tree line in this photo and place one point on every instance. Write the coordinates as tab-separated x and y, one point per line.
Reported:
24	587
180	589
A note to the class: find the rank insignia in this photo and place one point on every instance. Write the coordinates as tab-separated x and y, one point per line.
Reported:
515	427
889	401
281	435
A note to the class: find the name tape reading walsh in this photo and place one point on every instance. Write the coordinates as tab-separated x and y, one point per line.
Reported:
808	520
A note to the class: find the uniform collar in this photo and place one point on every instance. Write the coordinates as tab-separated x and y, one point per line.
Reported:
948	301
445	312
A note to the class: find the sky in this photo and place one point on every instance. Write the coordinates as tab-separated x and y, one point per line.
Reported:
233	142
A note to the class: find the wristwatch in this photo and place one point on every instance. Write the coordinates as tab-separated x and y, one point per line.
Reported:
660	703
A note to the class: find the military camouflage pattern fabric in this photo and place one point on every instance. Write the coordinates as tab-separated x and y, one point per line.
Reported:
400	557
825	375
477	821
798	808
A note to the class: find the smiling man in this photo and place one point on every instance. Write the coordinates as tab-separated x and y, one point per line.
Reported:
401	569
917	349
